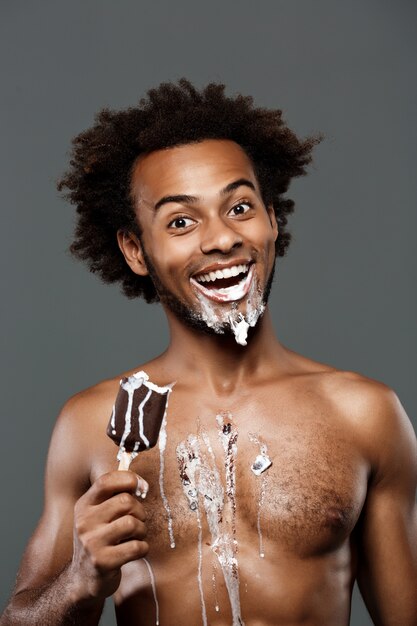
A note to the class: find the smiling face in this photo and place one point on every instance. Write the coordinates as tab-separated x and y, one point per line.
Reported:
208	241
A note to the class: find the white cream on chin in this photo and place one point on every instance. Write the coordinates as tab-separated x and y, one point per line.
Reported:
218	316
240	323
240	329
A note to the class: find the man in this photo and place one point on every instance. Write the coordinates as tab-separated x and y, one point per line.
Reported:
278	480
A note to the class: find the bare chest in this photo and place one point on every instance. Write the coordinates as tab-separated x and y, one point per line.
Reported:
257	475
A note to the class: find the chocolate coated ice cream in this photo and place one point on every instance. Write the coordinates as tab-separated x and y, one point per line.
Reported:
137	413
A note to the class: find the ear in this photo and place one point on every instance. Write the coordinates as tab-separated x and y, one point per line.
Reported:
131	249
273	220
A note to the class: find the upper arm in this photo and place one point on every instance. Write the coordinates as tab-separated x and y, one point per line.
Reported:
66	479
387	574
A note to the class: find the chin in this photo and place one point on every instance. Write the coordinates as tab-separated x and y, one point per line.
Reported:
219	318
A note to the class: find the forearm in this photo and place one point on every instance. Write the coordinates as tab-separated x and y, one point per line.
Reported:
55	604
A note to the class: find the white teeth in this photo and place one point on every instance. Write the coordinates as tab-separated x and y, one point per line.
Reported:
227	272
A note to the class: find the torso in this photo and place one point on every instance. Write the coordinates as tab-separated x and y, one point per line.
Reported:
300	513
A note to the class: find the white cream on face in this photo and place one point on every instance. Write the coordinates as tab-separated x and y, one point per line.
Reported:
240	328
220	317
227	294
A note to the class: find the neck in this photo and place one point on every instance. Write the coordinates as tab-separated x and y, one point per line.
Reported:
217	361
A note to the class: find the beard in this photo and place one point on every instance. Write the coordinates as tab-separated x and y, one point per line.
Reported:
198	319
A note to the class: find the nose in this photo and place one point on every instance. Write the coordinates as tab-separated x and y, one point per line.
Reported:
219	236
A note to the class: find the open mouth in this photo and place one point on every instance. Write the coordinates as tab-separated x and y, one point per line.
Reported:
225	285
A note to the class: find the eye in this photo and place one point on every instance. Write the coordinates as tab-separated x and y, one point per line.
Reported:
181	222
240	209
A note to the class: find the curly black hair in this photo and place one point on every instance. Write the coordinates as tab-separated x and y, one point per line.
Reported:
98	181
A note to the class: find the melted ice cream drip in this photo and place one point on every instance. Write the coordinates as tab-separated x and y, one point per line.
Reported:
132	383
258	521
228	437
240	329
218	317
261	463
255	304
227	554
240	323
214	319
162	446
224	543
225	551
202	484
214	587
200	566
152	577
188	456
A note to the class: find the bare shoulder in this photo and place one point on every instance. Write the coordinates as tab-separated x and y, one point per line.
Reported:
75	436
375	416
370	410
93	402
357	397
88	403
367	402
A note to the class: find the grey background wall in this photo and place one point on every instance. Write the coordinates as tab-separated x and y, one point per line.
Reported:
345	293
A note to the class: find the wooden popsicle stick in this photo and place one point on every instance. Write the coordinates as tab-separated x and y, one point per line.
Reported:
125	459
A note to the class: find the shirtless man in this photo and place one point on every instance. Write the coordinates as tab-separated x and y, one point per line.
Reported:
181	200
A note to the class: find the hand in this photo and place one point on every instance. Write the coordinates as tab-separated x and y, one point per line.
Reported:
109	528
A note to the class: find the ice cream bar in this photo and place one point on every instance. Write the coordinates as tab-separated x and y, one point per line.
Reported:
137	416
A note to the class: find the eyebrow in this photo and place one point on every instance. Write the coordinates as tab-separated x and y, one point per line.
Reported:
186	199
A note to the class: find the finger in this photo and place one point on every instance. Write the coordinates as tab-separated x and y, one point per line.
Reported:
123	529
102	536
113	557
115	507
112	483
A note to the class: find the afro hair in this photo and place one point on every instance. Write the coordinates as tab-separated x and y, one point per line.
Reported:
98	181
